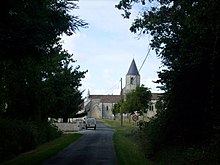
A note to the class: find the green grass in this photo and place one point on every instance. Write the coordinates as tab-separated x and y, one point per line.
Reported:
127	148
45	151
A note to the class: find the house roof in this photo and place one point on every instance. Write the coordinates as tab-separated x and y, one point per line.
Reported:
117	98
106	98
156	96
133	69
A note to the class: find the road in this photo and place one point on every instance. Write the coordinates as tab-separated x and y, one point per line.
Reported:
95	147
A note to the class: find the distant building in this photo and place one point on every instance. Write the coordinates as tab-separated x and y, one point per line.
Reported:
152	111
101	106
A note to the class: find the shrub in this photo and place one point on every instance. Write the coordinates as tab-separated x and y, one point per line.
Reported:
141	124
154	134
18	136
163	147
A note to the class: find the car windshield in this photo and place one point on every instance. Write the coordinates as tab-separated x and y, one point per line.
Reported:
91	121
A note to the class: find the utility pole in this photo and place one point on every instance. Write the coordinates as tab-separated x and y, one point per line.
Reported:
121	105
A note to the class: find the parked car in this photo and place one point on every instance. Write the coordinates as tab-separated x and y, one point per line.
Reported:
91	123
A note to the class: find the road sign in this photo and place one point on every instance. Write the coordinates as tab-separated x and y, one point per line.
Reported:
135	117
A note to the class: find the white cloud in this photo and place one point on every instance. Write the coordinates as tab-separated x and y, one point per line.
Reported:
107	48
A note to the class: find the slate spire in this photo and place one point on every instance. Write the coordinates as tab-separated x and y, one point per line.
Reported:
133	69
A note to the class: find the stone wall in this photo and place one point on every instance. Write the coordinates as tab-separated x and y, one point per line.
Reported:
70	127
73	125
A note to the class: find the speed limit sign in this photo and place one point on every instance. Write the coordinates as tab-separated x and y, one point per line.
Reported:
135	117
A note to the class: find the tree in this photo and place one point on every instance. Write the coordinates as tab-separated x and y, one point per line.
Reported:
35	72
117	108
30	51
138	100
62	91
186	37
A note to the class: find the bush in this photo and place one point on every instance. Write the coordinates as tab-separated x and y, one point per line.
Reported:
161	146
18	136
155	135
141	124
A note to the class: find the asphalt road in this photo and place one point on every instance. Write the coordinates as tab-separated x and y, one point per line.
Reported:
95	147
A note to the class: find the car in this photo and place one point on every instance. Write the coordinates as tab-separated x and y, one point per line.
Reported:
91	123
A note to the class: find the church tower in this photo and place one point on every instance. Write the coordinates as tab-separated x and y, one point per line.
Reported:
132	78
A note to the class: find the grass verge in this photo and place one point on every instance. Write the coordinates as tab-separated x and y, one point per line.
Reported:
45	151
127	148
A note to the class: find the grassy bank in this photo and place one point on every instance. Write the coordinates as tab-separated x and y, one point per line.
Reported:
45	151
130	146
128	150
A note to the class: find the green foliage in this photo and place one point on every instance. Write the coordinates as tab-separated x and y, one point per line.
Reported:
37	77
17	136
61	88
117	108
44	151
33	65
155	134
126	142
186	37
137	100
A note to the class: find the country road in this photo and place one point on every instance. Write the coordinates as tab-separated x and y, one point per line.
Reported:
95	147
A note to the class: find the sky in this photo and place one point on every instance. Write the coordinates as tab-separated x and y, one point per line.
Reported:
107	47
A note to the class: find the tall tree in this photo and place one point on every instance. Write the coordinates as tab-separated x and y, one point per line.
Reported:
138	100
186	37
30	35
62	93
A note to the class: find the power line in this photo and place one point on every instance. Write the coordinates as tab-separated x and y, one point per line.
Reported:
115	86
145	57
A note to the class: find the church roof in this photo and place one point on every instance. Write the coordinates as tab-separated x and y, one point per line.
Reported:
156	96
117	98
133	69
106	98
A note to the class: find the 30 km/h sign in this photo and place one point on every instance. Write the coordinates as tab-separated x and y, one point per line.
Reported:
135	117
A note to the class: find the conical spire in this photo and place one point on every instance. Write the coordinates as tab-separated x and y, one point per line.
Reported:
133	69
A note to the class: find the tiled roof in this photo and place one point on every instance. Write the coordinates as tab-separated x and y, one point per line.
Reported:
117	98
106	98
156	96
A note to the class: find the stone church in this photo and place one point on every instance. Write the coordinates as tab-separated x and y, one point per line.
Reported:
100	106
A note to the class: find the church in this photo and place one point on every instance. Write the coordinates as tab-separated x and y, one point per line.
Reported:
101	106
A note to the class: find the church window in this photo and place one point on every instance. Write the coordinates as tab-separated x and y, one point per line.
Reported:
151	107
132	80
106	107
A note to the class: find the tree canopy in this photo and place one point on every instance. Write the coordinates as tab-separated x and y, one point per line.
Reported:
186	37
137	100
38	78
36	73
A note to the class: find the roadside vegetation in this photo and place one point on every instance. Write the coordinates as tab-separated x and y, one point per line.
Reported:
45	151
127	143
38	78
133	146
185	35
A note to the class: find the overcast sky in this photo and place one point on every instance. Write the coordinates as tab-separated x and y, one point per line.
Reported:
106	48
